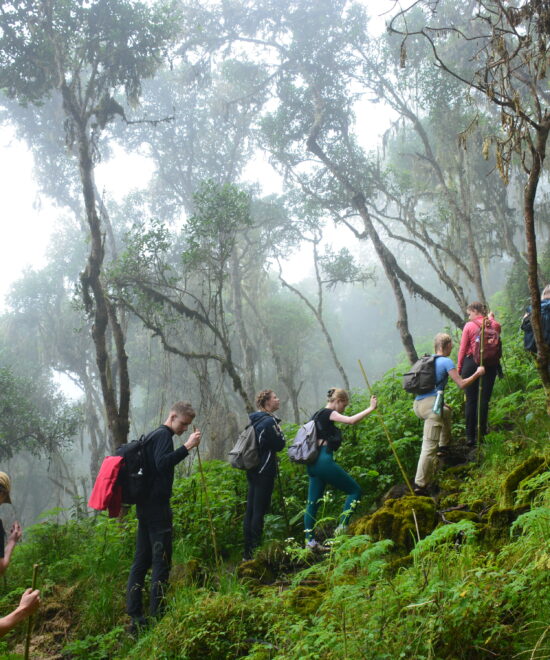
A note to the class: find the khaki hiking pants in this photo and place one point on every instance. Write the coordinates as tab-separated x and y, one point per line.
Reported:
437	432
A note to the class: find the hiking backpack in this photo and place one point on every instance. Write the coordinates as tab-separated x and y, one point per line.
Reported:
421	378
245	454
492	346
304	448
529	342
134	476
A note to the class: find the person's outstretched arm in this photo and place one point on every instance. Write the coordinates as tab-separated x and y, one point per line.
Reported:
344	419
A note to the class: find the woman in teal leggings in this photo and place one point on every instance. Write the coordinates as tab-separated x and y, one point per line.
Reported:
325	471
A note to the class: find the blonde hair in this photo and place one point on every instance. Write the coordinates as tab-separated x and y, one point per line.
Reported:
263	397
337	394
545	292
183	409
441	340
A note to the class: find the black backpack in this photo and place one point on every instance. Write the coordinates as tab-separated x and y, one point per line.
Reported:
529	342
421	378
135	474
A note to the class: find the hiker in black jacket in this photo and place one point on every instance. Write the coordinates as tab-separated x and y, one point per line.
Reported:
261	479
154	535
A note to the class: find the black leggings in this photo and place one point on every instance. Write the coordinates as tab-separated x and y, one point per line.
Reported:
488	380
260	489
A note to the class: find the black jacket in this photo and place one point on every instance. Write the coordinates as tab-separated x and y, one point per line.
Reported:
161	459
270	440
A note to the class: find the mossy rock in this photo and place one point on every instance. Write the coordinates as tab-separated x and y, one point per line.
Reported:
505	516
460	471
396	521
450	483
448	501
359	526
458	515
477	506
526	470
527	495
305	600
256	572
499	521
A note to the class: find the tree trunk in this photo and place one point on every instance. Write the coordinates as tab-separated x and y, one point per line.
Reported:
538	153
98	303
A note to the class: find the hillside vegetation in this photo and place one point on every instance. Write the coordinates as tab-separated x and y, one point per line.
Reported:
463	575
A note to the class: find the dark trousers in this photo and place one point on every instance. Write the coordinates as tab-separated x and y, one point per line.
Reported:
153	550
260	489
488	381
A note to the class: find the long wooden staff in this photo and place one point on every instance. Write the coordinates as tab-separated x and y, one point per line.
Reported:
480	387
29	621
208	509
387	433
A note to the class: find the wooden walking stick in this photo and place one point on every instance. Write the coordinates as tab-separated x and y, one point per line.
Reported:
480	389
29	621
387	433
208	509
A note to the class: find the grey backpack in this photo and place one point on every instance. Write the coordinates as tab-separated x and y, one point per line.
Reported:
245	454
305	449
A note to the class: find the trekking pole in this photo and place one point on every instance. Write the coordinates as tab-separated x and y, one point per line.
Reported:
387	433
29	621
208	509
479	390
285	514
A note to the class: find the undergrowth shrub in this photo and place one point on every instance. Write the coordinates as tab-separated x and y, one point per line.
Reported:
210	626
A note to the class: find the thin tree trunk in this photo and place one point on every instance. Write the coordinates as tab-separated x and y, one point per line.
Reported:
117	412
538	153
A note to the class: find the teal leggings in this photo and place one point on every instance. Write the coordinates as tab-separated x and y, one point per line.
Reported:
325	471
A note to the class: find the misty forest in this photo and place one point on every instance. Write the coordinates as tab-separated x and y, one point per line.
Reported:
294	195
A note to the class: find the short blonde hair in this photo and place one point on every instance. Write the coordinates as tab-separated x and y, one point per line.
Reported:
337	394
183	409
441	340
545	292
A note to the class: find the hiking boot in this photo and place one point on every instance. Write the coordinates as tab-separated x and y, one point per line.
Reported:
315	546
421	491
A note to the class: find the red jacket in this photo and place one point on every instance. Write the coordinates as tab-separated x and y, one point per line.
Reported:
106	493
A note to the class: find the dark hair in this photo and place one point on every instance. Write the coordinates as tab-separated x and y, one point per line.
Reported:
263	397
478	307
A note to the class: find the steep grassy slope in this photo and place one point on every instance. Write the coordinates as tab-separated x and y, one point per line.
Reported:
462	576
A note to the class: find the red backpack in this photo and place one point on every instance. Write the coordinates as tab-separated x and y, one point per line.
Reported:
492	346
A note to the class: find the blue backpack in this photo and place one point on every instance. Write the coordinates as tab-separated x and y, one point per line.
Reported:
529	342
